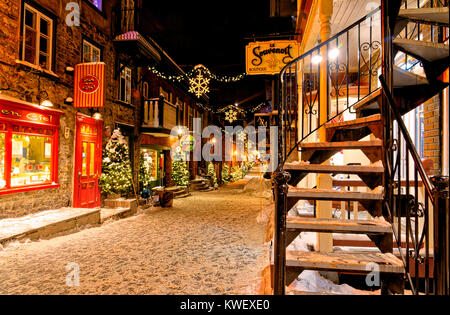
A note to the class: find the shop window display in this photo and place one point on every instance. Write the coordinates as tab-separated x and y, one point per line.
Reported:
31	160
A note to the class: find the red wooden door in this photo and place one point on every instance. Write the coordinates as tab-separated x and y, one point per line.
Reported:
88	158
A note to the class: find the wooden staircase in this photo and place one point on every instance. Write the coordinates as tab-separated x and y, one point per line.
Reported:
379	231
410	90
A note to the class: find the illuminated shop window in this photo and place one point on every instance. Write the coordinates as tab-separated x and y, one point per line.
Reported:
31	160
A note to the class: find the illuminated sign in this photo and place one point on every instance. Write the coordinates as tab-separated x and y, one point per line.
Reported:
270	57
89	86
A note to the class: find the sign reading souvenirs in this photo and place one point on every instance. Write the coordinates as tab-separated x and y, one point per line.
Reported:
271	56
89	85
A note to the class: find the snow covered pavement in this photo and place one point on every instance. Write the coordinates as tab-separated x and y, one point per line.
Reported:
209	243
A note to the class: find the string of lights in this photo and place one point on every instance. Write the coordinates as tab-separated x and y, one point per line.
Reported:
193	72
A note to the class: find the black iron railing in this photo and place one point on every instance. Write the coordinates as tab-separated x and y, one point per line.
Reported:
420	30
350	61
415	207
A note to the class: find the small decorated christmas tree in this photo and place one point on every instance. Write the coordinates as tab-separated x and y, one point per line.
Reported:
225	173
180	173
236	173
212	172
116	166
145	172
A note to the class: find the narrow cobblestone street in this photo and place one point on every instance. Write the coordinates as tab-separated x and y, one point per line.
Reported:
208	243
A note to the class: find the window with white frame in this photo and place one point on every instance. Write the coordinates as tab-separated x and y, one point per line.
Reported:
125	85
37	37
91	53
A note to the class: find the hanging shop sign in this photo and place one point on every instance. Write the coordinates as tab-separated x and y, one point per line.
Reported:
89	85
187	143
270	57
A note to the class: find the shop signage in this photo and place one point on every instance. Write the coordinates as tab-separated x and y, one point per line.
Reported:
271	56
89	85
22	114
187	143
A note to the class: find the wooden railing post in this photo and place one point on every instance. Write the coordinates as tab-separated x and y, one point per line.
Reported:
441	235
324	208
281	189
161	111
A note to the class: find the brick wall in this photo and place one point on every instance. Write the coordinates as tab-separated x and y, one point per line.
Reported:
432	133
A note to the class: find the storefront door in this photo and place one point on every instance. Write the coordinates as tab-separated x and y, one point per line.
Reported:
88	157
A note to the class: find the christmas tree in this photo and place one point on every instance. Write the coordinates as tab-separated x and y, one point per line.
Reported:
236	173
116	166
180	173
225	173
212	172
145	172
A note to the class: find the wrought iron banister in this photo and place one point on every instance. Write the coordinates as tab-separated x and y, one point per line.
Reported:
415	214
409	143
352	58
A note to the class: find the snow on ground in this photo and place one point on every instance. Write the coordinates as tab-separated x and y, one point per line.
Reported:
209	243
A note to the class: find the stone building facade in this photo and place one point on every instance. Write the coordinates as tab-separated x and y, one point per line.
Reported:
22	80
69	44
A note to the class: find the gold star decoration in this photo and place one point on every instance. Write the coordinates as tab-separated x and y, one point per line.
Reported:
199	85
231	115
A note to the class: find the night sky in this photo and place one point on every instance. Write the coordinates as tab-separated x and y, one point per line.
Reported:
214	33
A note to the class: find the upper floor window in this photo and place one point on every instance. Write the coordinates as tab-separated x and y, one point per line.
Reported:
91	53
37	38
125	85
96	3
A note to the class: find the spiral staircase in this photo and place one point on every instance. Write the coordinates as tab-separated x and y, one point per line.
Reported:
385	70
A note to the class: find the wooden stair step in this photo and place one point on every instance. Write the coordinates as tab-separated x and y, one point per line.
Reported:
338	226
342	261
330	194
343	145
433	15
371	101
355	123
404	78
335	169
422	50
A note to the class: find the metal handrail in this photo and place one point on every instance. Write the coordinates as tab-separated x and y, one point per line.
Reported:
409	143
335	38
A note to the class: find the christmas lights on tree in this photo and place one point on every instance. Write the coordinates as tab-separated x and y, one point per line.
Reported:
145	172
116	166
180	173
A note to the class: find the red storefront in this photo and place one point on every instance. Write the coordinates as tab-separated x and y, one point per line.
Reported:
29	141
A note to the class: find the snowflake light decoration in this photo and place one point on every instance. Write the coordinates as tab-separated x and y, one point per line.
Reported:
199	85
231	115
